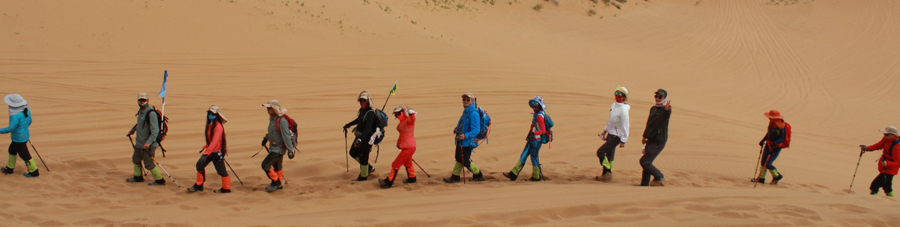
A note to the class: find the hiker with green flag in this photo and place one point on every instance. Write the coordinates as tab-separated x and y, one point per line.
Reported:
467	128
656	134
214	151
615	133
406	142
146	129
19	122
281	140
365	132
888	163
538	134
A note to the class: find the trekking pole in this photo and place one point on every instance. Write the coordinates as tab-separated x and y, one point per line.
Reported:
163	149
462	156
377	152
257	152
346	153
854	172
39	155
232	171
132	147
757	177
161	167
420	167
758	159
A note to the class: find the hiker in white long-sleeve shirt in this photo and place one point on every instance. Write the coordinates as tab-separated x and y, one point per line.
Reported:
615	133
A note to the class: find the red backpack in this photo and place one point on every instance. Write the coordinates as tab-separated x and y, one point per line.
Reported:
787	137
292	126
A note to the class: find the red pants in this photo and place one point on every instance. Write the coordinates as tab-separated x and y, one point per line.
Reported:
403	159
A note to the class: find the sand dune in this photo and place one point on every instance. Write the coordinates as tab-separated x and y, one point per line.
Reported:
829	66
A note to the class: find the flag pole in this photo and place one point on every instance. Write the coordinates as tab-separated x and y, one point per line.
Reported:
391	93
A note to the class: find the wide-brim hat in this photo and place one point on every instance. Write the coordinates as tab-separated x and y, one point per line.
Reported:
537	101
143	95
774	115
275	105
399	108
215	109
15	100
889	130
624	91
368	97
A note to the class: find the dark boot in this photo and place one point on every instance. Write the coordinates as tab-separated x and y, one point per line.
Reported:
534	179
32	174
360	178
385	183
274	186
478	177
776	179
410	180
222	191
371	169
195	188
512	176
160	182
135	179
452	179
7	171
758	179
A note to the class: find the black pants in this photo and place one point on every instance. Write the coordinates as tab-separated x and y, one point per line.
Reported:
362	152
217	160
882	181
608	149
273	160
20	149
651	151
464	153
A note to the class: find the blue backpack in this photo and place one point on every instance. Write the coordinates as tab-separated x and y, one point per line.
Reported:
485	126
381	120
548	123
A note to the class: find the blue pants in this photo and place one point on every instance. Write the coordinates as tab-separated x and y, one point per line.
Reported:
769	155
531	149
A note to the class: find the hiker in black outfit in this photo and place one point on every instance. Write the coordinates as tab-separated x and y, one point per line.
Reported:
655	136
364	133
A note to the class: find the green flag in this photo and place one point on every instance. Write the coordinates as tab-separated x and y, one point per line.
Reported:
394	90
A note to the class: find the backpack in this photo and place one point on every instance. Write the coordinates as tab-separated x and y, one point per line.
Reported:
787	137
890	149
163	124
548	123
485	126
381	121
292	126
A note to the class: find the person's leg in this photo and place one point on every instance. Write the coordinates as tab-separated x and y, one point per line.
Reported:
535	148
877	183
136	157
149	154
201	173
646	161
514	173
219	164
11	163
365	151
467	158
268	166
888	185
410	168
278	167
764	163
30	164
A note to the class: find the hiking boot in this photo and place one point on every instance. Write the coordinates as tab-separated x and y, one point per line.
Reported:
274	186
371	168
385	183
7	171
656	184
452	179
606	177
160	182
34	174
195	188
891	194
511	176
758	179
776	179
136	179
534	179
360	178
410	180
873	192
477	177
222	191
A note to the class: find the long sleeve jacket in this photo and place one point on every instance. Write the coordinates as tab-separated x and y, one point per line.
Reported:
364	122
18	126
774	136
618	123
215	134
279	136
888	155
406	128
469	126
538	126
657	129
147	127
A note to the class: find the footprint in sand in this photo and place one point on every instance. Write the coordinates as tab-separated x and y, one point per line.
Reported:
188	207
735	215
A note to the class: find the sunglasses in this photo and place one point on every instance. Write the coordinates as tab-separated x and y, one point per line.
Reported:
142	100
466	99
619	94
658	96
362	100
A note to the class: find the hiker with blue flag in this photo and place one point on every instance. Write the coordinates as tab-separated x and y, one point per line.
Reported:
19	122
365	134
147	128
466	131
538	135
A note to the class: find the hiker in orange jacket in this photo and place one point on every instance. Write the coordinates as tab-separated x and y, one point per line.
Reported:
406	142
888	163
771	144
214	151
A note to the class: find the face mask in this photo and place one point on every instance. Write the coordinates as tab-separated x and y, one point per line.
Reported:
211	116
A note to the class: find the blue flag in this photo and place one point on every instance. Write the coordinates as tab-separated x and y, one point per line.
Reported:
162	92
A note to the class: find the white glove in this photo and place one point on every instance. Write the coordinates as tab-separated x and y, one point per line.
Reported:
410	111
374	136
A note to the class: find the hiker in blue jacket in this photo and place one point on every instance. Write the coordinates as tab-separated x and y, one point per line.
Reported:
466	130
19	121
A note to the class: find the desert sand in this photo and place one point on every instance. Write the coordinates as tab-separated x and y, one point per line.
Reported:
830	67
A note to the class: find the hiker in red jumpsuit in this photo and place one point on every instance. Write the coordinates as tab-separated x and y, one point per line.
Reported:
406	142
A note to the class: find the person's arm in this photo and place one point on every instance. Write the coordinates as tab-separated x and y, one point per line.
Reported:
215	144
876	146
285	132
542	128
369	127
154	127
894	163
353	122
651	126
13	125
625	124
411	119
780	137
472	128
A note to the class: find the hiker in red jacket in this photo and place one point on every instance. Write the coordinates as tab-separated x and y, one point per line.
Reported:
214	151
407	145
772	144
888	163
